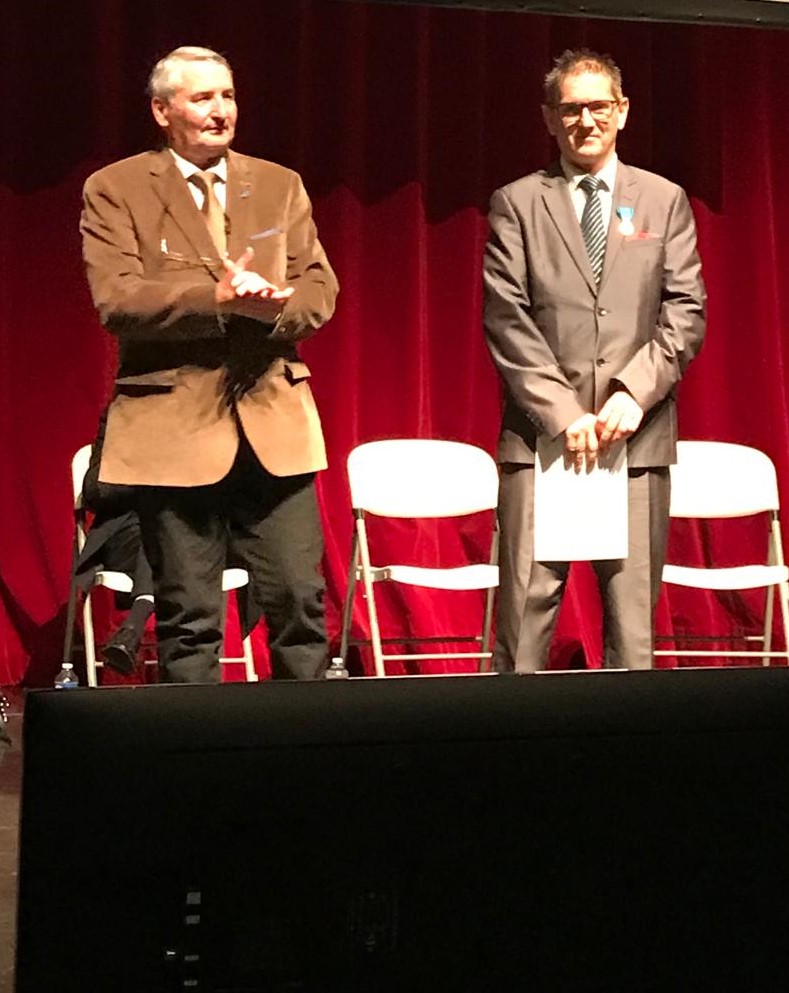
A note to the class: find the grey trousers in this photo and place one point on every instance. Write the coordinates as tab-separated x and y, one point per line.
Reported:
531	592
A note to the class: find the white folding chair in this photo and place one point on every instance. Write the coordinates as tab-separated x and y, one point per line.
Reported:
121	582
417	478
714	480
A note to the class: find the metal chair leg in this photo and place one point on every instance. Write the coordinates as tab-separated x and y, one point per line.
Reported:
71	610
350	596
90	639
372	614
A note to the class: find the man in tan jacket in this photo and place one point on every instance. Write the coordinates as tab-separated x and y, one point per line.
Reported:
207	267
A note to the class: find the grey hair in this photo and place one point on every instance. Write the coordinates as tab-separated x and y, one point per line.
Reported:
165	75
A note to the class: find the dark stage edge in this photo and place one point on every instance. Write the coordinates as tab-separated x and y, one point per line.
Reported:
742	13
586	831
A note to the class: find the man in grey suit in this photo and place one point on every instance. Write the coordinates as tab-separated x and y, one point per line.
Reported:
594	307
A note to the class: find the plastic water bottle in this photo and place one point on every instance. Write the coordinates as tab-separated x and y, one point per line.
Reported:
337	669
66	679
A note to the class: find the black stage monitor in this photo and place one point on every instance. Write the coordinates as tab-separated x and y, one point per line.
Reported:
609	831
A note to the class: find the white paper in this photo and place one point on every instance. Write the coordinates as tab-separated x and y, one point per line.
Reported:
579	515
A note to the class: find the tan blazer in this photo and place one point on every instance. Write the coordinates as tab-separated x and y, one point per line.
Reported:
186	373
561	344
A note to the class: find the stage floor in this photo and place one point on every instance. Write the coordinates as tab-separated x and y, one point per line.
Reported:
10	779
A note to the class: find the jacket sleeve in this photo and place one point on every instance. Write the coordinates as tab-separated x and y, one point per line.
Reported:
308	272
523	358
659	364
130	303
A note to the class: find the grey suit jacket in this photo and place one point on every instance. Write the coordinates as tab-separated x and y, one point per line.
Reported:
562	345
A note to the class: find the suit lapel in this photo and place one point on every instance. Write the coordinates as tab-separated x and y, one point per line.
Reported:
239	205
625	195
169	185
556	196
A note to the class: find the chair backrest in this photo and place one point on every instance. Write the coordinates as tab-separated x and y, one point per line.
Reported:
79	467
718	479
410	477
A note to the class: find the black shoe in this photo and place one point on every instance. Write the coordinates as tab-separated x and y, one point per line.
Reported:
120	652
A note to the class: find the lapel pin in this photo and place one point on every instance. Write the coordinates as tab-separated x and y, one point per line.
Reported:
625	215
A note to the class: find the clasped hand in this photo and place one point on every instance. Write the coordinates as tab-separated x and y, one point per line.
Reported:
589	436
244	291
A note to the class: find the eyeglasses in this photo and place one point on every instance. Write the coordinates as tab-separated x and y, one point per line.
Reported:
601	110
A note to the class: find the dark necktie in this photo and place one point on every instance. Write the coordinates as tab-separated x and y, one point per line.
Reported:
212	208
592	224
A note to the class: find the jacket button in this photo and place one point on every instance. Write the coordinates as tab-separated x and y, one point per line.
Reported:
602	311
601	362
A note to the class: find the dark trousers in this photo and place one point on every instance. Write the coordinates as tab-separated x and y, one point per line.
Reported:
266	524
531	592
114	543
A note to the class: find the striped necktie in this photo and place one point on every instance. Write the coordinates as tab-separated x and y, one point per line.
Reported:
212	208
592	227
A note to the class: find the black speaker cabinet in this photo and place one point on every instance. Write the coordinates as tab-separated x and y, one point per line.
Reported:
611	831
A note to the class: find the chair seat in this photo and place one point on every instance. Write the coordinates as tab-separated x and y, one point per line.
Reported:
234	579
119	582
743	577
466	577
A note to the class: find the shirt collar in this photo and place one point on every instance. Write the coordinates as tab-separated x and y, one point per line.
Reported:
607	174
188	169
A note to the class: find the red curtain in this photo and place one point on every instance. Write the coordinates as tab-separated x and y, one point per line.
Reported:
402	121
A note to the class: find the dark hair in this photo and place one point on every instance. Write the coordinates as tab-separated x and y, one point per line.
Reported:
574	61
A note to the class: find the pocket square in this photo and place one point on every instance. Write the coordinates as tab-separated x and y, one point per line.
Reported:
643	236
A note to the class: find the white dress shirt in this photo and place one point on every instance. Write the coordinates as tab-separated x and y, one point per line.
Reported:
188	169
